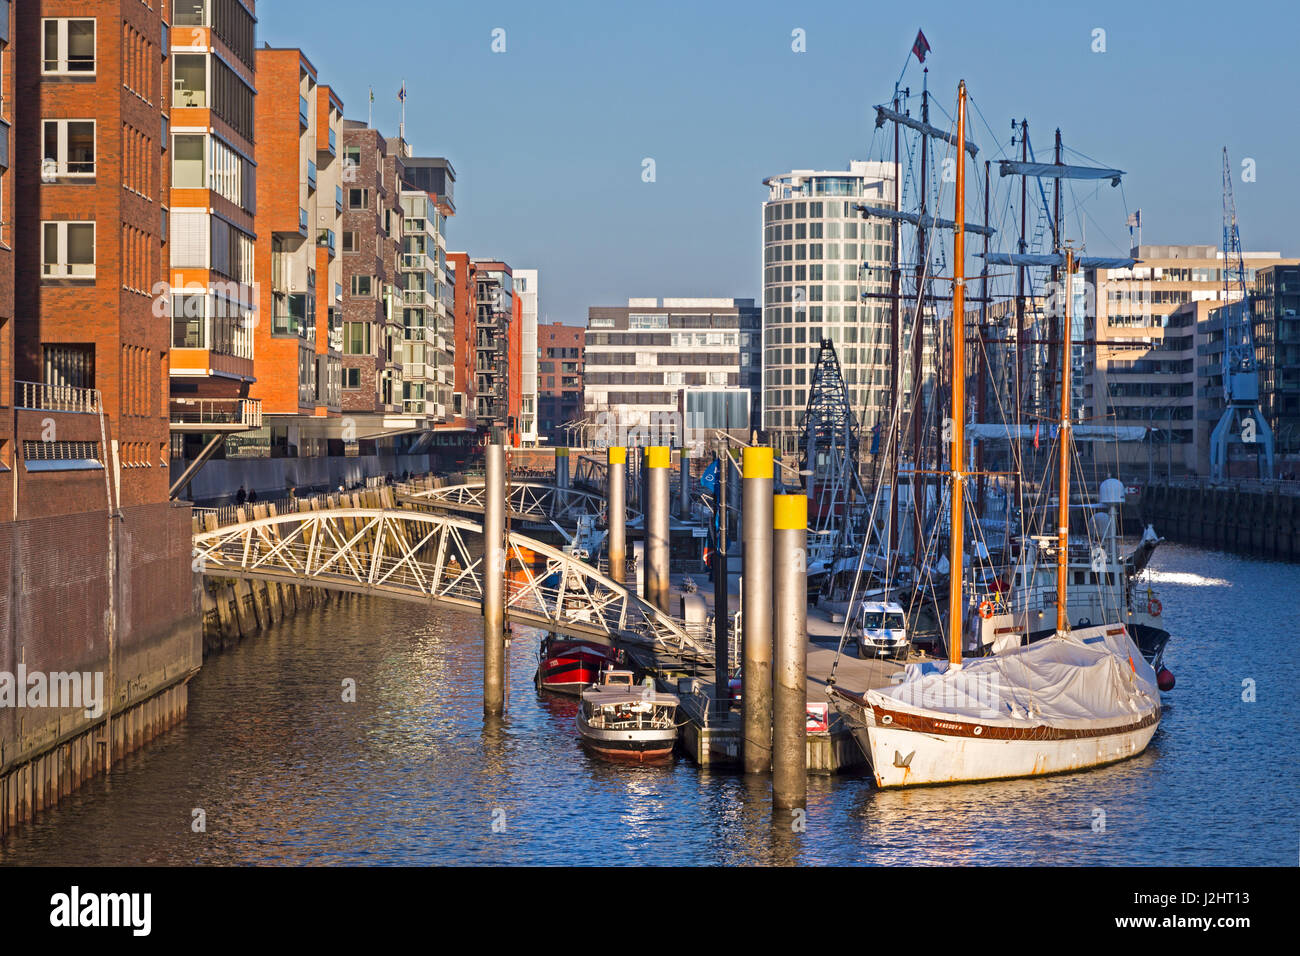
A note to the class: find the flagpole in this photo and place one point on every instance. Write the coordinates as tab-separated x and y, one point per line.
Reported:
370	109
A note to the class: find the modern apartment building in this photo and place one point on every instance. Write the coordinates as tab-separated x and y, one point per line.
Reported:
526	290
560	351
372	255
297	363
1133	377
213	204
825	275
639	357
462	429
497	340
1275	306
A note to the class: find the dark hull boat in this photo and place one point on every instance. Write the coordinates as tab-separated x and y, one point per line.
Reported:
566	665
620	721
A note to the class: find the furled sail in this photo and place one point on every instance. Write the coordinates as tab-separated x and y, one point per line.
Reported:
993	432
884	114
1013	167
927	221
1055	259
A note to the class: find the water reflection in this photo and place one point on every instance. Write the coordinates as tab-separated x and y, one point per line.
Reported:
410	772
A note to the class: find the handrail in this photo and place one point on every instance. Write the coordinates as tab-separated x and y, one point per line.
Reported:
56	398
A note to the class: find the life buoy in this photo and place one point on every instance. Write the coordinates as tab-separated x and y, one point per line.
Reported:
1154	607
986	609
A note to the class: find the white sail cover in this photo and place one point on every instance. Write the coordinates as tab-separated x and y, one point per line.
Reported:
1089	679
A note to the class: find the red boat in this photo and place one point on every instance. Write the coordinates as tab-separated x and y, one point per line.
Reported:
566	665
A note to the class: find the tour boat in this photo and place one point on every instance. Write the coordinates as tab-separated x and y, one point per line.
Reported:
623	721
1080	698
566	665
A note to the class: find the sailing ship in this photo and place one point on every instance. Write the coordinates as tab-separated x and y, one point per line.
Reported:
1078	698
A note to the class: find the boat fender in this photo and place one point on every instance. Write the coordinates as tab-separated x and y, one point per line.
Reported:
986	609
1165	679
1154	607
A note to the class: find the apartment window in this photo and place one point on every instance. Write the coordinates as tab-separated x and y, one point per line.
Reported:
69	148
358	198
352	378
190	79
69	365
187	161
363	286
189	325
356	338
349	241
68	250
69	46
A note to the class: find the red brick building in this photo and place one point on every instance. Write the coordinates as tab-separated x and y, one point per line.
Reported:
94	560
559	379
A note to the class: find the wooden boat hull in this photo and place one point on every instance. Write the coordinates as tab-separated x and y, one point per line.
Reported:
906	750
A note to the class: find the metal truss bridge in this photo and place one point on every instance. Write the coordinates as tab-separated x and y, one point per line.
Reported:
528	501
437	560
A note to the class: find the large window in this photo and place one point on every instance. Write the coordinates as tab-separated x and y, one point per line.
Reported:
358	198
68	46
356	338
363	286
69	148
190	79
188	161
68	250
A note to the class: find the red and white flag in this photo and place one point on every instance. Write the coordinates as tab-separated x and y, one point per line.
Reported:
921	47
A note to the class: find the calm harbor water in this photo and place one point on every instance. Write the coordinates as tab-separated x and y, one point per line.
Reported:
287	773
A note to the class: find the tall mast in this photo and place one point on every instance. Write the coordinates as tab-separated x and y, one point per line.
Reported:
982	357
919	488
1063	530
895	343
957	454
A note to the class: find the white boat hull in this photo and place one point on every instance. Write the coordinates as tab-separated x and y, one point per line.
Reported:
928	759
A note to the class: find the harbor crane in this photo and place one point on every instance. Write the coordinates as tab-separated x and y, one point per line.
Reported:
1242	421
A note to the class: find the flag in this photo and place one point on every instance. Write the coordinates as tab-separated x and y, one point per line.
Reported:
921	47
372	94
401	94
1037	425
709	480
1134	221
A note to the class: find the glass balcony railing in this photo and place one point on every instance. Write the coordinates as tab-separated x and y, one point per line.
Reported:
302	220
302	112
311	175
333	143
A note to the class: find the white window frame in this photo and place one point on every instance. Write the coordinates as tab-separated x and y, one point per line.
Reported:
61	161
61	266
61	54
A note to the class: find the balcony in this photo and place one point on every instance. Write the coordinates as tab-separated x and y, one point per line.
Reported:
311	176
56	398
415	261
302	221
338	198
215	414
333	143
303	113
326	238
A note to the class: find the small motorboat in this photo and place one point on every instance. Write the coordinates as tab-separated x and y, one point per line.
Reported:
566	665
621	720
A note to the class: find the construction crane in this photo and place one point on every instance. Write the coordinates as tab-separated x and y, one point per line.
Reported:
830	459
1242	421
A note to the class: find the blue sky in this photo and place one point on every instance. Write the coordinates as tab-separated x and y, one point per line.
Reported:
548	137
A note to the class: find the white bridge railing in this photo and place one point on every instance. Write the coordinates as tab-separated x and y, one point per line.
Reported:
433	558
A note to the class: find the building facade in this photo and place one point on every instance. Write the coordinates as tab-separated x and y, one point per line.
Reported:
526	291
1132	375
639	357
820	257
560	351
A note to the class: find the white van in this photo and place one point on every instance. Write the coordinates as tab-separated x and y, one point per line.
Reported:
881	630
